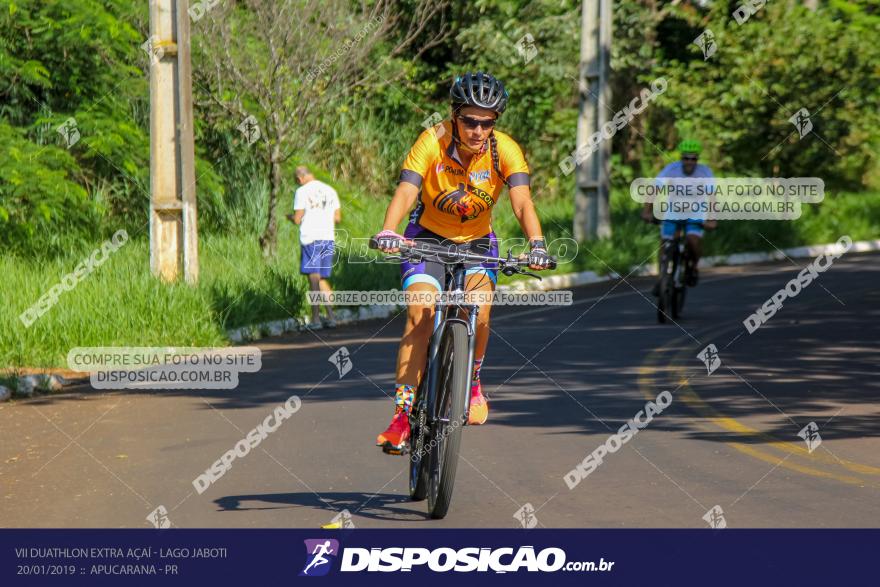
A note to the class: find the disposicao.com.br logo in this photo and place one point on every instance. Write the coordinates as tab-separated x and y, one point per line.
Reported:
444	559
320	554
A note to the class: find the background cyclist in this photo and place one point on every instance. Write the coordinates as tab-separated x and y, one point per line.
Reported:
451	179
686	167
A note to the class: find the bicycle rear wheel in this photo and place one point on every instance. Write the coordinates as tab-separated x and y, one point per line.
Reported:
445	436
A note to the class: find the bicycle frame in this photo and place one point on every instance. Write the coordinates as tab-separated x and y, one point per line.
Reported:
449	312
443	315
433	478
674	251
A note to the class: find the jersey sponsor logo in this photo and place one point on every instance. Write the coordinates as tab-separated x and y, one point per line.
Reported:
479	176
441	168
466	202
482	195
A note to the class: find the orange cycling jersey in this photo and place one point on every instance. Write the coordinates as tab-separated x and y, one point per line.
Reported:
455	202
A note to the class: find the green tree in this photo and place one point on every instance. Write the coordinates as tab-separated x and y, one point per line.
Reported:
282	82
71	94
784	58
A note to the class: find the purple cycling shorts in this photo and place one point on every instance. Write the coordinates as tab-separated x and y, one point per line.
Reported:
433	272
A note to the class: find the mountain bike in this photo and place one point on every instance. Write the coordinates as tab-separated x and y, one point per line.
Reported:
441	402
675	261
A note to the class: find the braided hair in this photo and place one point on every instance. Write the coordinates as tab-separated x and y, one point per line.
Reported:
493	149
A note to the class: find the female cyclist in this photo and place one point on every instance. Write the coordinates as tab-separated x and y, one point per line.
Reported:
454	175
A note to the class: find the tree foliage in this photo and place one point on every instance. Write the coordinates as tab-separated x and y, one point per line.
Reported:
62	64
784	58
353	108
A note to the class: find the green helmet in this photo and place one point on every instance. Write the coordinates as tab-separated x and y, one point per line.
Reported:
690	146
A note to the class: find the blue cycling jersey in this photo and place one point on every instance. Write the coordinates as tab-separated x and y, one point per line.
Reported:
676	169
694	224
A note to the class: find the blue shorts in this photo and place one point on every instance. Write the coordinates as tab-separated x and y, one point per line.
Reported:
317	257
434	272
668	228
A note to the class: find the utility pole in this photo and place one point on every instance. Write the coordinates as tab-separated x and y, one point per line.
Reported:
173	227
592	217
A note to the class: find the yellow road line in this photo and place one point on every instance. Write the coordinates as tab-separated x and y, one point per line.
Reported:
696	403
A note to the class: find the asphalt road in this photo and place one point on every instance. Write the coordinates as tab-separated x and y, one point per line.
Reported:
560	380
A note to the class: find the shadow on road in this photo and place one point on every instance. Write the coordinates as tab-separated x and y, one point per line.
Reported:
382	506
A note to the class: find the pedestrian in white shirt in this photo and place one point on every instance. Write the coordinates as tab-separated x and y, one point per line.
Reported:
316	211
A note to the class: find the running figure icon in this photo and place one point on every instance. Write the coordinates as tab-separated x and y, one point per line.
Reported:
319	551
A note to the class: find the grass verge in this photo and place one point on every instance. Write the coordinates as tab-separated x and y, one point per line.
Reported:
121	304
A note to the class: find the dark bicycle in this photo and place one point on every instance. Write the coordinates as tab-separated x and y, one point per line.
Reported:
675	265
440	406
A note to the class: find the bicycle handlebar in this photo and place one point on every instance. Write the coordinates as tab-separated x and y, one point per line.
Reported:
508	265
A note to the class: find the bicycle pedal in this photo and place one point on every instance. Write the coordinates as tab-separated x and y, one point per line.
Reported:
390	449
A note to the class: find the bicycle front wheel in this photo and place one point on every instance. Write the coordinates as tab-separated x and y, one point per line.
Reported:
678	295
418	458
445	437
664	287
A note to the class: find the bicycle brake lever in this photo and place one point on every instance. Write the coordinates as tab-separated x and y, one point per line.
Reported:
530	274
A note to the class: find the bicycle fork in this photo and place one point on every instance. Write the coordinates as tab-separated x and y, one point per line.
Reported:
671	263
441	320
678	276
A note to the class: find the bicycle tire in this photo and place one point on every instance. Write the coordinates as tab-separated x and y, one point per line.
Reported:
678	295
419	463
679	292
446	437
663	298
662	301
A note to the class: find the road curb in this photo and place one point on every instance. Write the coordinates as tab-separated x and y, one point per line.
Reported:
587	277
50	381
566	280
26	386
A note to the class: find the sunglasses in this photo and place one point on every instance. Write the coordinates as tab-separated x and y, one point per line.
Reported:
689	158
475	123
